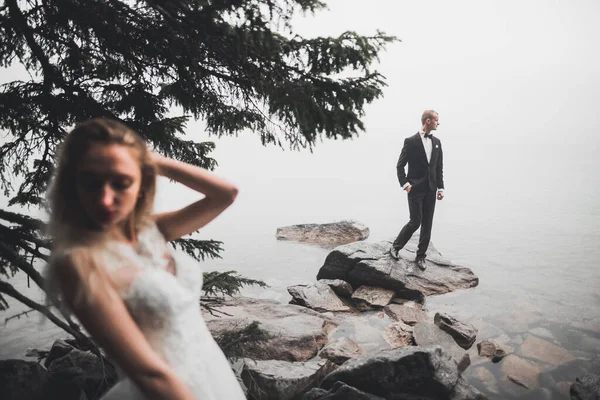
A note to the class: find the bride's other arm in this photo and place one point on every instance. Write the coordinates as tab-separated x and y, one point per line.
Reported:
218	195
98	307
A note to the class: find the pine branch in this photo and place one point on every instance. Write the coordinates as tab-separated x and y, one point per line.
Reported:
9	290
227	283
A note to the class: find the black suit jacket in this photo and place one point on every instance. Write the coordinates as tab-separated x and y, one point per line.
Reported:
423	176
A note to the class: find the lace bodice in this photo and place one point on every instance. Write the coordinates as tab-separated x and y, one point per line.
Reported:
166	307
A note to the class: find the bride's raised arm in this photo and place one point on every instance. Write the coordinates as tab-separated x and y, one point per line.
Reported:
218	195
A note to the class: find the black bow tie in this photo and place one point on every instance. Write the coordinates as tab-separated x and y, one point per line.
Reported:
428	135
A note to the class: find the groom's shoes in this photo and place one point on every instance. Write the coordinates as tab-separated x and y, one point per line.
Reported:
394	253
420	261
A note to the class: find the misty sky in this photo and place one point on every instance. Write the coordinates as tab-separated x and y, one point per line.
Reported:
515	82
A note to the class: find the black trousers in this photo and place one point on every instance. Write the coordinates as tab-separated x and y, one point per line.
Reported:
421	206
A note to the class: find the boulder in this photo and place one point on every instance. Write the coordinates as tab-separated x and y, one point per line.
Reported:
339	391
319	296
59	349
428	334
426	373
340	287
463	334
334	233
22	380
283	380
364	263
410	312
540	349
79	372
341	350
491	349
522	374
586	387
399	334
367	297
295	333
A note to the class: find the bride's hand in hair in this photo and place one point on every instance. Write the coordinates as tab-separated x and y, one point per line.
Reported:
157	160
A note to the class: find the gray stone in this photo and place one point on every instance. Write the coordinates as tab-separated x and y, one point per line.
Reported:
370	264
296	333
339	391
586	387
80	371
427	334
340	287
542	332
334	233
410	312
464	334
341	350
539	349
491	349
20	380
318	296
408	373
524	375
285	380
367	297
399	334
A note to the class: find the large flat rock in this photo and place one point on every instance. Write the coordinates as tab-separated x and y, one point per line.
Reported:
296	333
413	372
364	263
333	233
319	296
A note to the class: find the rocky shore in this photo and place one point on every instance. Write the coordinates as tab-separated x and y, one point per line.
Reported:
361	330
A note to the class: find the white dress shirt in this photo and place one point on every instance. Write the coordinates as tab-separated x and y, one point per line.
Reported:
427	144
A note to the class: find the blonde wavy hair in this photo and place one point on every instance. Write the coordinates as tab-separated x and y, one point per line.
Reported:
68	221
71	229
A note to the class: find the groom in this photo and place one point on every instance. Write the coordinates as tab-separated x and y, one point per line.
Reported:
423	154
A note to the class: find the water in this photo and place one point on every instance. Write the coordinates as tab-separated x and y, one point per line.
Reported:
533	245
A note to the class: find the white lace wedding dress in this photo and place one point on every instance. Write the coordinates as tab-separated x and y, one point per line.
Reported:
166	307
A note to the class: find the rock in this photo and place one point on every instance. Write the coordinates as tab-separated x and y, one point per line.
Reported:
490	349
339	391
564	388
22	380
398	334
340	287
486	378
60	348
296	333
367	296
406	373
410	312
463	334
542	333
370	264
276	379
341	350
523	374
318	296
427	334
586	387
79	371
539	349
334	233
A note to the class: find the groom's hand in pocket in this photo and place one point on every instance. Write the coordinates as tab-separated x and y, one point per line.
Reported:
408	188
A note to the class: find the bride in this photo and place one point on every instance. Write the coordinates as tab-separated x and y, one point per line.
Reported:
112	268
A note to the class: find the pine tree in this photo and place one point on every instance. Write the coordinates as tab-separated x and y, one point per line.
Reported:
237	65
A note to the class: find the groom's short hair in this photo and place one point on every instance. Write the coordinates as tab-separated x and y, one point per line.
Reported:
427	114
